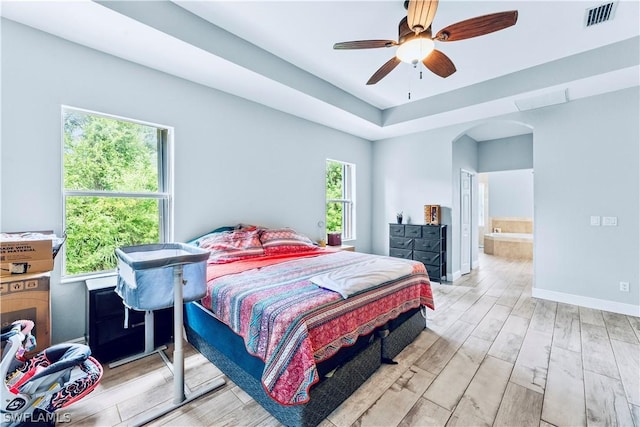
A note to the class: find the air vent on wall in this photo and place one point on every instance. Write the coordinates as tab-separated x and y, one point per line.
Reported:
599	14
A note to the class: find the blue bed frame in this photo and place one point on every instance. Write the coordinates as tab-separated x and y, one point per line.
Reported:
350	367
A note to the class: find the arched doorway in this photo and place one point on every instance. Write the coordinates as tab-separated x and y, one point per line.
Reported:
495	145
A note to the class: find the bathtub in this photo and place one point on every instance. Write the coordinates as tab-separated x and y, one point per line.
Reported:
509	245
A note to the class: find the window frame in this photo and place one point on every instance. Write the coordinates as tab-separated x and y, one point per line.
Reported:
164	195
348	199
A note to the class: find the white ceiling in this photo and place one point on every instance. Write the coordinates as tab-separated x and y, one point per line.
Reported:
279	53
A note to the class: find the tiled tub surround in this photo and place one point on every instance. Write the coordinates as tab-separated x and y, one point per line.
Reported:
509	245
511	225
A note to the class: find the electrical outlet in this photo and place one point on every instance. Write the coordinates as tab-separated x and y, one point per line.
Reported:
624	286
595	220
610	221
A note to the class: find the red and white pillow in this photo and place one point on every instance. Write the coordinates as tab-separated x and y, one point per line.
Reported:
277	241
232	246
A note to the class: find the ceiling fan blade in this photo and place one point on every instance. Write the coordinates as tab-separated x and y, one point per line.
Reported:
478	26
403	29
439	64
364	44
420	14
384	70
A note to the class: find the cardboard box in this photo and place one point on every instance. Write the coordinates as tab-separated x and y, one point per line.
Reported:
21	256
27	297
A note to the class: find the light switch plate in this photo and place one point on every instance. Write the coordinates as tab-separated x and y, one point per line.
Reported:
595	220
610	221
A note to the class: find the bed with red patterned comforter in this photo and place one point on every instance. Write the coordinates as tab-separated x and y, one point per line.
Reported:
291	324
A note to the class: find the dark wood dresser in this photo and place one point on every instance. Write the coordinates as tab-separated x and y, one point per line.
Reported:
424	243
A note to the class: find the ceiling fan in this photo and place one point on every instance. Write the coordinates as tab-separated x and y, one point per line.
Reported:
416	43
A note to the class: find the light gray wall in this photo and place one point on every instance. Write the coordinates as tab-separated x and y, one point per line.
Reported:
586	161
465	156
410	172
511	194
504	154
235	161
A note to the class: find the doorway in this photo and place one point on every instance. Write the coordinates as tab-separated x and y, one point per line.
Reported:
508	206
492	146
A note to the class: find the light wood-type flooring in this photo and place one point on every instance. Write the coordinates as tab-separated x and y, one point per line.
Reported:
492	355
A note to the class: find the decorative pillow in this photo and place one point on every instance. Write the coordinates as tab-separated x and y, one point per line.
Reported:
197	240
232	246
284	240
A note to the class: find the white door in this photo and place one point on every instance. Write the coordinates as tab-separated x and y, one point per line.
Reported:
465	222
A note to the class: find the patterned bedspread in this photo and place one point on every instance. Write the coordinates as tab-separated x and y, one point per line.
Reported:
292	324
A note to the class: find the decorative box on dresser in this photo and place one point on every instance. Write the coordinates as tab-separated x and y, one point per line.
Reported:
424	243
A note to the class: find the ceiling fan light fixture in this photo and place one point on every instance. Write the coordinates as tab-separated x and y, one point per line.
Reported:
415	50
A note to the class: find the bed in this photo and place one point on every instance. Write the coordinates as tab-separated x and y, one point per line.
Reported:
299	327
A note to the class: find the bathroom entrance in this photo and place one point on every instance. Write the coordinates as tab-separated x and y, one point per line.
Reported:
505	227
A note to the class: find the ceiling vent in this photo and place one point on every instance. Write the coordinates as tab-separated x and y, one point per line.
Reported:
599	14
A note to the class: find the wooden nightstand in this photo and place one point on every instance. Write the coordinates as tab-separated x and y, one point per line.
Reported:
349	248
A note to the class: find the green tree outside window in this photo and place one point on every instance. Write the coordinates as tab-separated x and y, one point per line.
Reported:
113	188
339	198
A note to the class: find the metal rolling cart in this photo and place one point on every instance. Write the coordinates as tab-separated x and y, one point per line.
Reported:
151	277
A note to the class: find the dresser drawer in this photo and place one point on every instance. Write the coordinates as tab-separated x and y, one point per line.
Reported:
396	230
106	303
400	253
430	232
400	243
426	245
427	258
113	328
412	231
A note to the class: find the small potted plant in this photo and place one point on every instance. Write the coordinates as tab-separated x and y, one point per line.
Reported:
399	217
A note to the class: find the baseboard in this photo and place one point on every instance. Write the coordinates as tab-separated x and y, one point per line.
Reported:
598	304
475	264
454	276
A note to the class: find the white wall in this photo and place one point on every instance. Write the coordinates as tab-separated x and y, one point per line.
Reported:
515	152
587	162
410	172
511	194
235	161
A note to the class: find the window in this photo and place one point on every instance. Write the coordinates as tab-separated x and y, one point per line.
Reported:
341	195
116	188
